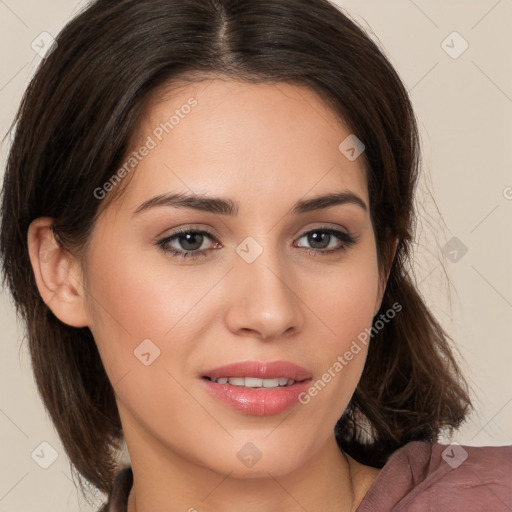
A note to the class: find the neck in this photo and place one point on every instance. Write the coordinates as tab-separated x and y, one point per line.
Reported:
330	481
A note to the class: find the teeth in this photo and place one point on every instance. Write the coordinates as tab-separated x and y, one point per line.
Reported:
253	382
237	381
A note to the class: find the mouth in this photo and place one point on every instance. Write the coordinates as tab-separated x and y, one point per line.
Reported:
257	388
254	382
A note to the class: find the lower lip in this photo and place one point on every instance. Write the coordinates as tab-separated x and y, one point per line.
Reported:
257	401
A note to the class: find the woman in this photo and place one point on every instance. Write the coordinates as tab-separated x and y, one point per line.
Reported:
206	220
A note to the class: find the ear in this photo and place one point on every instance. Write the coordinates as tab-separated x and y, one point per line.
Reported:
58	275
384	274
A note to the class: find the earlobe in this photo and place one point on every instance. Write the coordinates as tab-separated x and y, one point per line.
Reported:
57	274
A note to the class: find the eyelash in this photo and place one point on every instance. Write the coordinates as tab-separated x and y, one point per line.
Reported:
346	239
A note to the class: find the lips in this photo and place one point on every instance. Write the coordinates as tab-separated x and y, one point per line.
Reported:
260	370
257	388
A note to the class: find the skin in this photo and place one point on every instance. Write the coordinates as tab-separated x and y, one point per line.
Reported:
264	146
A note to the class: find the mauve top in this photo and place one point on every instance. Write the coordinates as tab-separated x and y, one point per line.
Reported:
419	477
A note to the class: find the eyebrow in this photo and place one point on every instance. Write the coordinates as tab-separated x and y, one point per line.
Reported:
225	206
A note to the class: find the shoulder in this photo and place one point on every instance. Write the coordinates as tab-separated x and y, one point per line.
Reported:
423	476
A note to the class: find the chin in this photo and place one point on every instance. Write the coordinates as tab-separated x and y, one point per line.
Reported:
247	460
261	470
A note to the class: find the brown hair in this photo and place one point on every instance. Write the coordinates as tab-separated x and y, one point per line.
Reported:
75	124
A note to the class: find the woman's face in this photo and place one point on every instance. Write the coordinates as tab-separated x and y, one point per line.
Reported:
273	283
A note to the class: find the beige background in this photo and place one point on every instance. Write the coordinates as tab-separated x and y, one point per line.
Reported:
464	106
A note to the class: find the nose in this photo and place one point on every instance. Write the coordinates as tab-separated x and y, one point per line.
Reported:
264	301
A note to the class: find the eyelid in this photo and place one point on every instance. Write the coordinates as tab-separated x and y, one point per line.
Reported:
188	228
342	234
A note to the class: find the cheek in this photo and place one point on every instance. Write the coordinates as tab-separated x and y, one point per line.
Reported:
347	302
346	309
349	307
144	289
132	300
144	320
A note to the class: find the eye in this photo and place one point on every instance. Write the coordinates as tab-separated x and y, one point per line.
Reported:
189	243
327	238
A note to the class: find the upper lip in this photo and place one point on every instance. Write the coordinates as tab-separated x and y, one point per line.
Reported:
260	369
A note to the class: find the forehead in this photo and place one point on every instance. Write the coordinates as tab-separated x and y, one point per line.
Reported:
241	139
